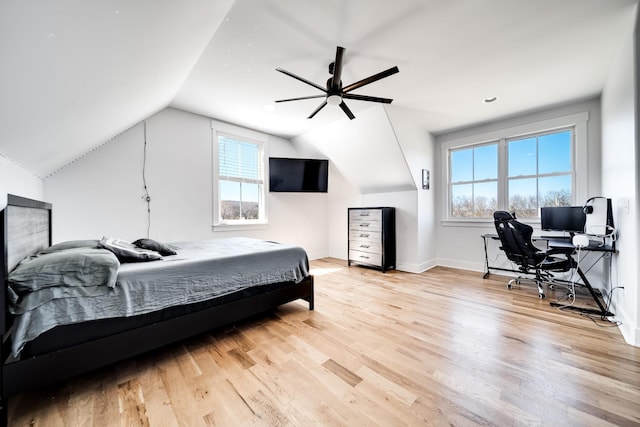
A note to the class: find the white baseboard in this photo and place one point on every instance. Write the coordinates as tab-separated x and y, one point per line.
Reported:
630	333
416	268
455	263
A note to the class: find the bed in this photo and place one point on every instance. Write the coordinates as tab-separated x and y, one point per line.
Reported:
37	351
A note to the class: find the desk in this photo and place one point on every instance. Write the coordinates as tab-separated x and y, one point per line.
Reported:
565	244
558	242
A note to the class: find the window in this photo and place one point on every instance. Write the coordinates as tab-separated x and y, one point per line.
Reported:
474	181
540	172
515	174
239	181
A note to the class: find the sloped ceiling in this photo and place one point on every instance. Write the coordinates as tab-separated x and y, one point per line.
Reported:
76	73
373	161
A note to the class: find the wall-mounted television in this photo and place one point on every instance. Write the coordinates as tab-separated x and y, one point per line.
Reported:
563	218
298	175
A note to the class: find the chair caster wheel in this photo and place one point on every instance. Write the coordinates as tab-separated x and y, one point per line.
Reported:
510	284
541	296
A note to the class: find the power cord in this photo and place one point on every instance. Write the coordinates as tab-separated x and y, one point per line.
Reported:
146	197
601	321
572	295
610	299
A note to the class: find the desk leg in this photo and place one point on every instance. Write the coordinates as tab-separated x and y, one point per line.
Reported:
603	310
486	259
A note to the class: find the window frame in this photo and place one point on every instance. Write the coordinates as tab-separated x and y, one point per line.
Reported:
473	181
243	135
537	176
577	122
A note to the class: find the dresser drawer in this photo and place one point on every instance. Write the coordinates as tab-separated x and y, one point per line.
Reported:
369	258
365	246
365	236
365	215
369	225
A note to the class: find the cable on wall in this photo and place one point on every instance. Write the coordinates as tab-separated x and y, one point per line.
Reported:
146	197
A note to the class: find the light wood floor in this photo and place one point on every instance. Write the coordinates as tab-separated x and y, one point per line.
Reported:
440	348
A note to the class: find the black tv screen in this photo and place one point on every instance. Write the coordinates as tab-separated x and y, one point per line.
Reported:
298	175
563	218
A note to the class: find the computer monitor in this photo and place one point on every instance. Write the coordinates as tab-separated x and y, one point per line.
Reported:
563	218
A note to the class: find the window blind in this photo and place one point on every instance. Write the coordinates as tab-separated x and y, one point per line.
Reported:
240	161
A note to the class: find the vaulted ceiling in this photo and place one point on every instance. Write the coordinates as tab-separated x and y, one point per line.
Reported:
76	73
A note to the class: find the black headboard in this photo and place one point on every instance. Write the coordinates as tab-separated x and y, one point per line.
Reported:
25	229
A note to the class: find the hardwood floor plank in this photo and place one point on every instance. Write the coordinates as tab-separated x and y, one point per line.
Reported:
444	347
132	406
346	375
158	403
105	410
229	408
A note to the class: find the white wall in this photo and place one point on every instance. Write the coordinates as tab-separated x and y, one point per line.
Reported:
342	195
620	163
405	203
418	147
102	193
460	245
377	160
14	179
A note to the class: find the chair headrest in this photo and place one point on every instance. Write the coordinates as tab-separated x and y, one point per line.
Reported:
502	215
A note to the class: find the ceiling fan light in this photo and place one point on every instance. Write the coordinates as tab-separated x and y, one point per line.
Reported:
334	99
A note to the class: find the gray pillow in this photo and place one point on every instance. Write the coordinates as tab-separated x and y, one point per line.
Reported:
153	245
72	244
68	267
127	252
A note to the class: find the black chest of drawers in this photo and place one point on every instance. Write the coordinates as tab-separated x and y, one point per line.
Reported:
372	237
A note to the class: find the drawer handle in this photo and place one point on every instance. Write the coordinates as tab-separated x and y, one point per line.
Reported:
364	246
364	214
364	235
365	257
364	224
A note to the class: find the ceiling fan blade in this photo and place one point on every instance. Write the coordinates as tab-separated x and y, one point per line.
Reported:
302	79
301	98
371	79
366	98
317	109
347	111
337	69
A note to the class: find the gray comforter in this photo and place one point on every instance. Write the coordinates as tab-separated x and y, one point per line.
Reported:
201	270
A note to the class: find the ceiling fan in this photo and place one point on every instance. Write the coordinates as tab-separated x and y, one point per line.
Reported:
335	93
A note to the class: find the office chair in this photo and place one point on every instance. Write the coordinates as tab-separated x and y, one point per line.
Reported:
515	240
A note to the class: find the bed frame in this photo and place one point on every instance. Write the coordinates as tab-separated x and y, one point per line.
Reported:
26	228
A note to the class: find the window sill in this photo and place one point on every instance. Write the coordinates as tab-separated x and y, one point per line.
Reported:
480	222
237	227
